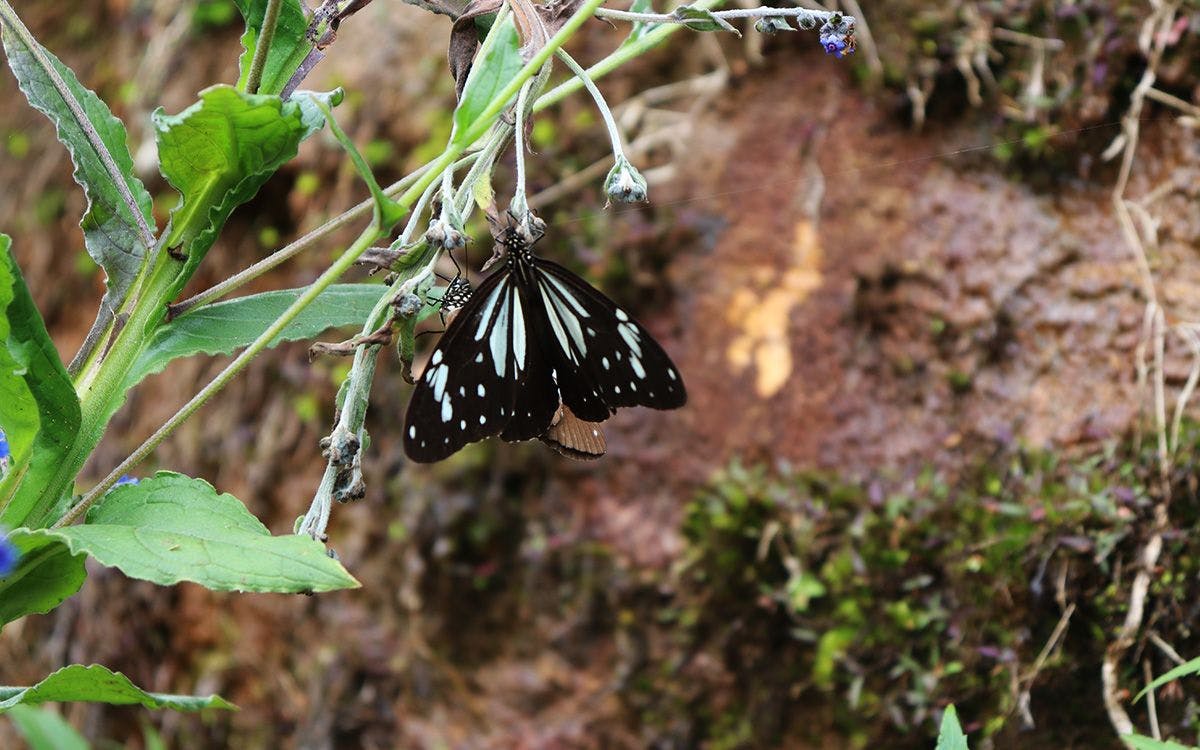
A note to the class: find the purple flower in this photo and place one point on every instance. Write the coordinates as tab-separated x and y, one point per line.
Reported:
837	37
9	556
126	479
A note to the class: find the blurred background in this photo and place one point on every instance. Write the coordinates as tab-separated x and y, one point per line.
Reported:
916	464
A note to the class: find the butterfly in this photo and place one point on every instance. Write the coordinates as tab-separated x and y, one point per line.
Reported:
567	435
532	345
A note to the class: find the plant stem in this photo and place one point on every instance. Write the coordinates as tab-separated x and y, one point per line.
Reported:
352	412
248	274
815	16
453	149
605	112
262	47
341	265
498	103
520	205
617	58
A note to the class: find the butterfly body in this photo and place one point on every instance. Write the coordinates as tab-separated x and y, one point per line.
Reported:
531	337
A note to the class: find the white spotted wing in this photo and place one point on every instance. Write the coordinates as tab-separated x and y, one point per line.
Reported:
531	337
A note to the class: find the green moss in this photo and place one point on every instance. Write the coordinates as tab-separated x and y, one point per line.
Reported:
810	590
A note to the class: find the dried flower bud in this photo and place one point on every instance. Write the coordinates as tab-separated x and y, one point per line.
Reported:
770	25
441	234
624	183
837	36
407	305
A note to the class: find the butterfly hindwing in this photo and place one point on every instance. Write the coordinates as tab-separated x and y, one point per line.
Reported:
604	359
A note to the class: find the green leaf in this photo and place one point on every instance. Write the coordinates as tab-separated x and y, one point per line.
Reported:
36	364
702	19
47	574
639	28
118	225
44	729
951	736
1183	670
96	684
497	63
225	327
289	46
218	152
19	418
1138	742
171	528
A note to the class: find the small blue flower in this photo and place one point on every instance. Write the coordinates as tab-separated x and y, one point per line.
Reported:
126	479
9	556
837	37
5	451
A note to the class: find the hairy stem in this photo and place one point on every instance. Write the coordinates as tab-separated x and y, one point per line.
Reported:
613	133
263	46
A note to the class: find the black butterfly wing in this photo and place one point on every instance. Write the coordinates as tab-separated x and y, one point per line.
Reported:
603	358
476	382
537	396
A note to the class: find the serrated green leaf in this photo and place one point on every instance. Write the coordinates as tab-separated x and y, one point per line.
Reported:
224	327
47	574
118	226
1138	742
28	345
170	528
497	63
951	736
218	152
1186	669
44	729
97	684
289	46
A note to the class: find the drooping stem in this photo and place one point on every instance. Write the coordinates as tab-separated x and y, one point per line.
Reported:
609	122
617	58
520	205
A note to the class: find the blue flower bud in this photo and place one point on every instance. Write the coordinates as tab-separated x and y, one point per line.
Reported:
126	479
5	451
9	556
624	183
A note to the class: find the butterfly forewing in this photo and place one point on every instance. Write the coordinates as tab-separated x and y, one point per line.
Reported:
605	359
470	384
